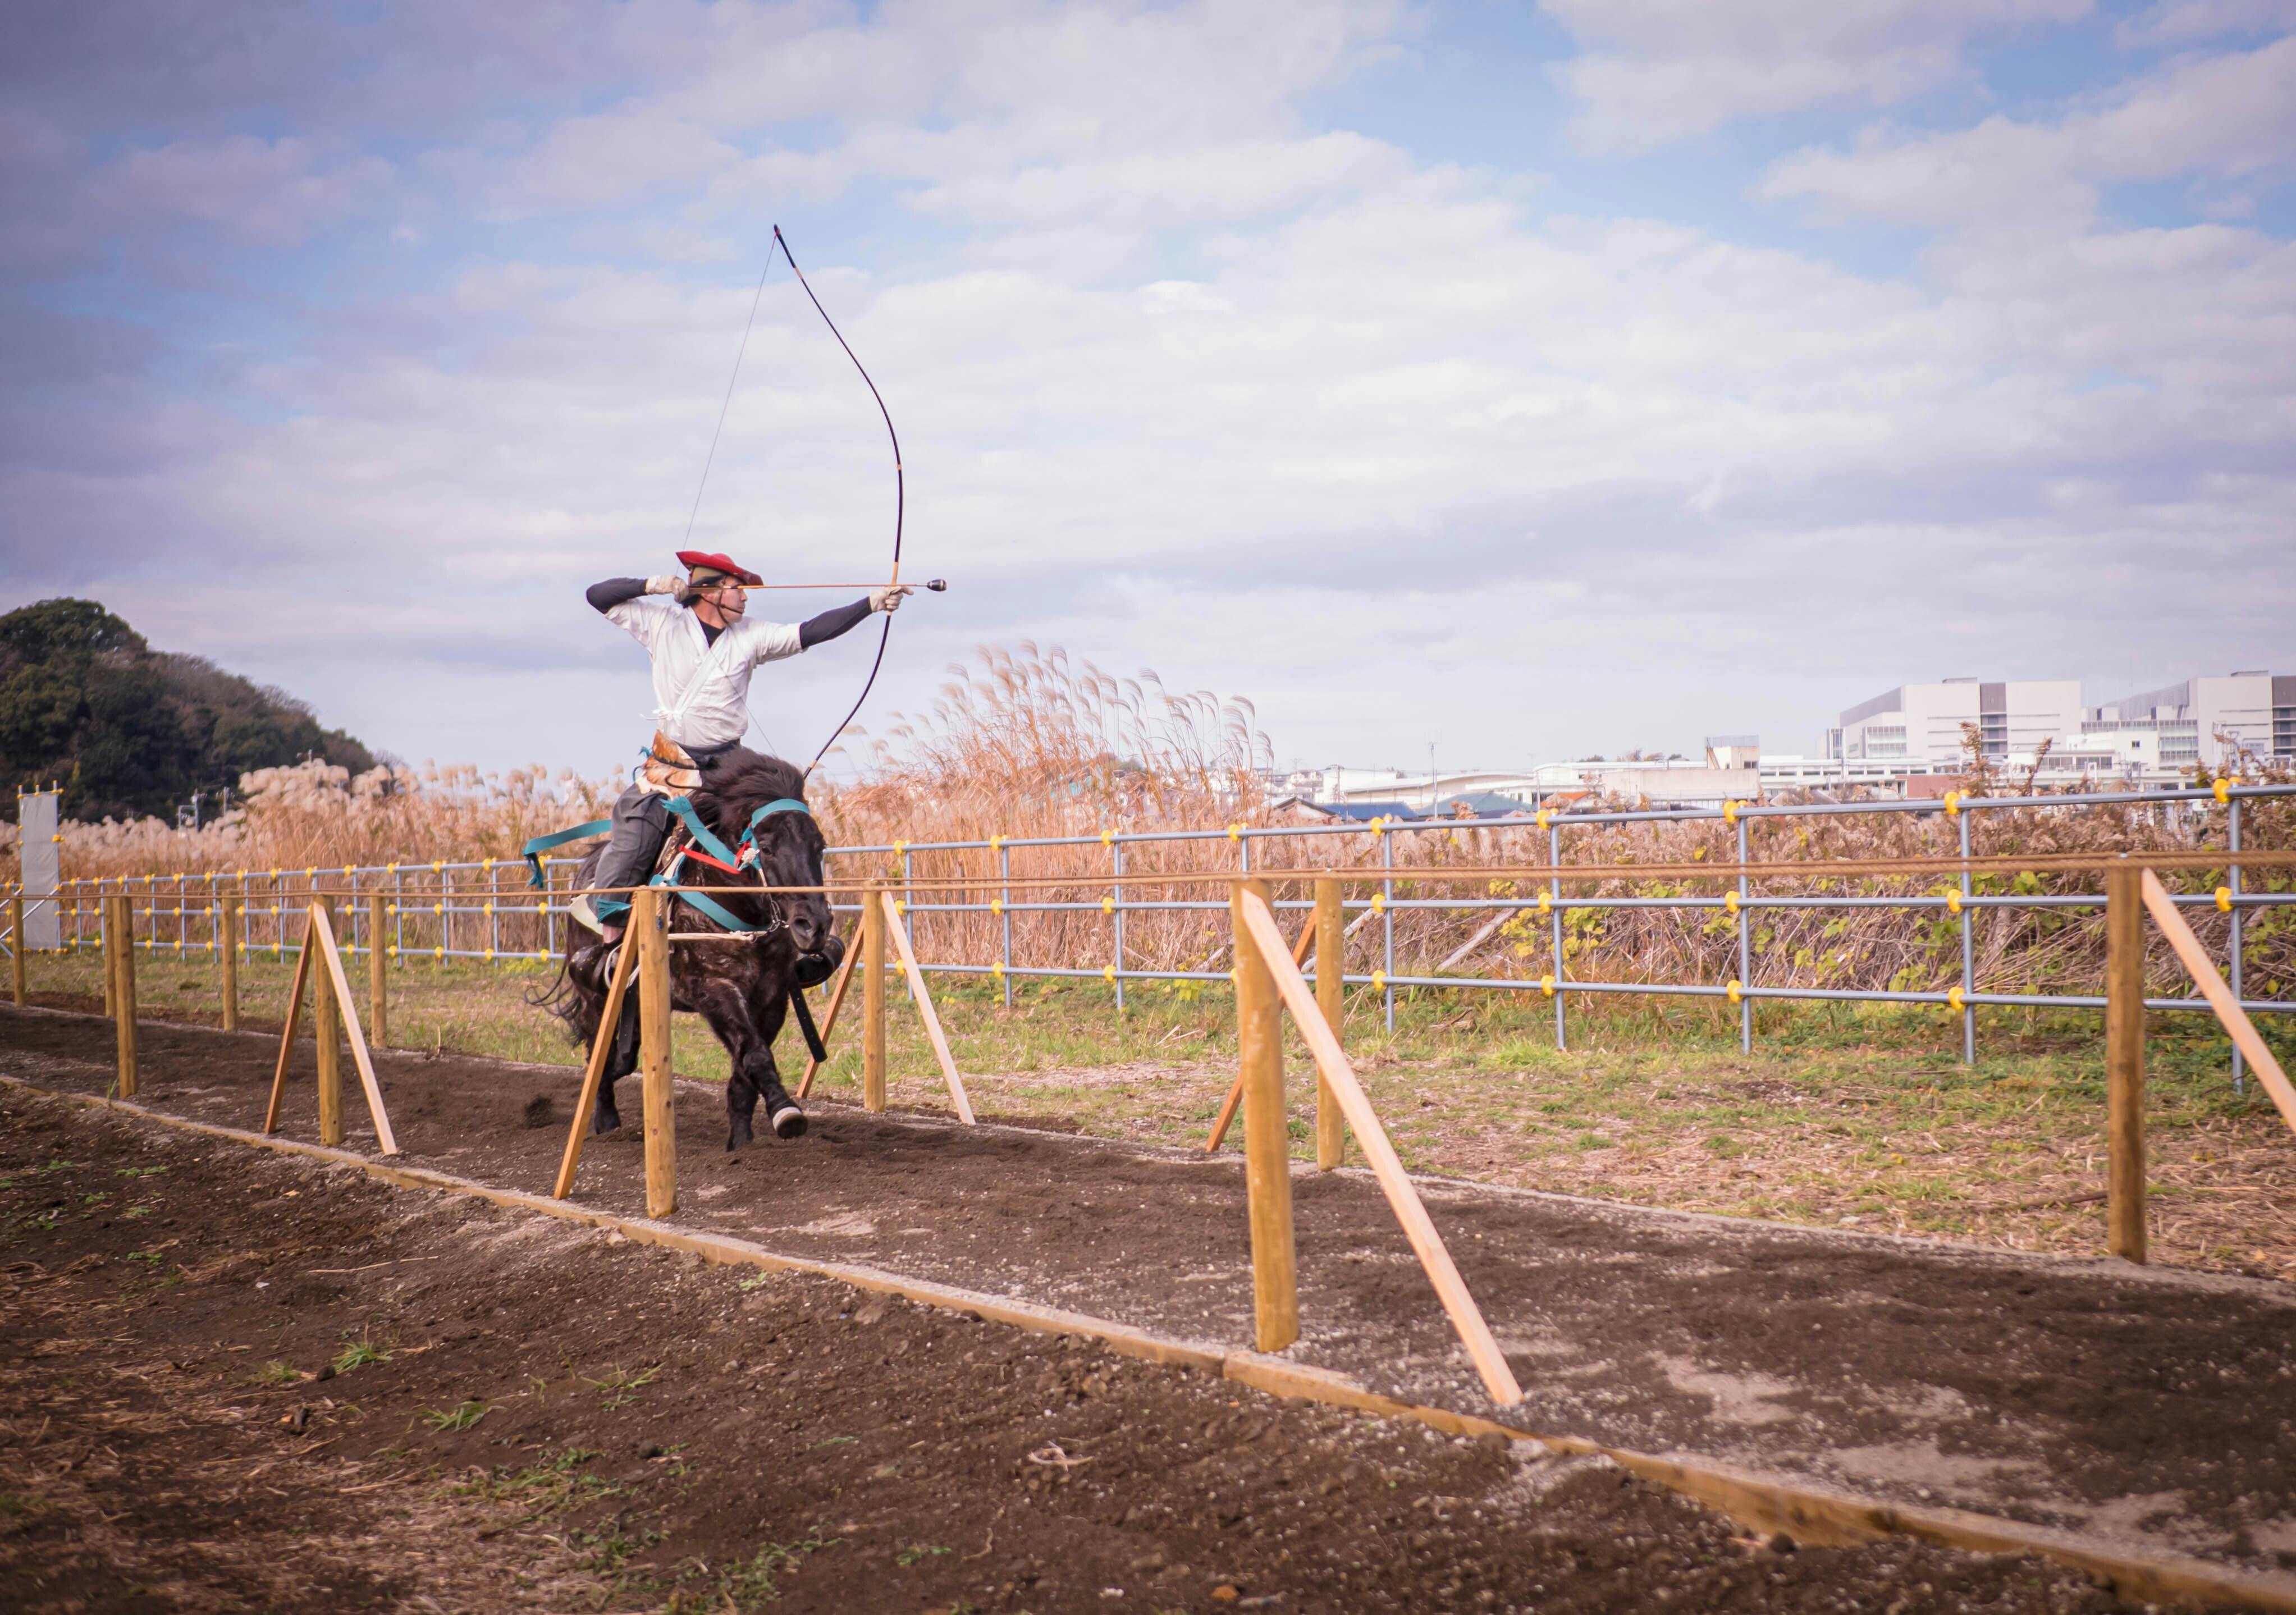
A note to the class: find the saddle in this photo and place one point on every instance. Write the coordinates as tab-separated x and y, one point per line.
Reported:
668	769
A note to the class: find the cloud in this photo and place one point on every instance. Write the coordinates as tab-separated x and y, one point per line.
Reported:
2176	23
1185	376
1656	71
2230	116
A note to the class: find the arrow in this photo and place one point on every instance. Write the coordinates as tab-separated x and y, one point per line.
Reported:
939	586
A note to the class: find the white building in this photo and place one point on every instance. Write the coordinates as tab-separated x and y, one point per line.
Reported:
1884	776
2206	720
1924	723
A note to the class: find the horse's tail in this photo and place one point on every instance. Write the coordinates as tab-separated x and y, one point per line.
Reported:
561	998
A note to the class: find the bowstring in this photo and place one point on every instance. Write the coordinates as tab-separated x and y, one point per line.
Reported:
900	488
710	458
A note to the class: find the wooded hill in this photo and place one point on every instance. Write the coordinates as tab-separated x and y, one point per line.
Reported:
128	730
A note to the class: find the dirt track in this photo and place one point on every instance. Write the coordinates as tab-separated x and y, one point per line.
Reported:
2155	1407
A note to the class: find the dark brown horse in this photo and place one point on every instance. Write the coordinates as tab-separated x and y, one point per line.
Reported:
742	989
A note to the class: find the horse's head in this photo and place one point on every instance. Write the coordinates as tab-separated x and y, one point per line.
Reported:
789	843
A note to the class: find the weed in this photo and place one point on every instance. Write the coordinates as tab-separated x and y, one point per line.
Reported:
457	1418
621	1386
918	1553
141	1171
556	1483
150	1257
612	1548
276	1372
359	1354
748	1585
16	1508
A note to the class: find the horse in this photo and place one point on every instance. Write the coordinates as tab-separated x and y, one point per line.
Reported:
742	991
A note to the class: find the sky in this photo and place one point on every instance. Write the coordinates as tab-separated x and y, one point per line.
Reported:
1522	380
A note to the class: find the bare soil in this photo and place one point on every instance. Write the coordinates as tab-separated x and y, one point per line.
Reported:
2155	1409
238	1381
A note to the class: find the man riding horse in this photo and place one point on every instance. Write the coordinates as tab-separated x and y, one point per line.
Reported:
704	646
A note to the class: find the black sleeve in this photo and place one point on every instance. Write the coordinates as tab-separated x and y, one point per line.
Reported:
830	623
605	597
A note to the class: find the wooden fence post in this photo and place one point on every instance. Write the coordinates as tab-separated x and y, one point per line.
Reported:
122	977
228	944
326	1030
1331	967
2124	1063
649	924
1266	1145
873	997
378	975
16	926
104	940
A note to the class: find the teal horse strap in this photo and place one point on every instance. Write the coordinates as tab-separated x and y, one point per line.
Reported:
682	808
786	804
533	850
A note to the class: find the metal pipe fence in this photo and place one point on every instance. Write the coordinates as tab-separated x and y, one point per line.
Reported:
486	911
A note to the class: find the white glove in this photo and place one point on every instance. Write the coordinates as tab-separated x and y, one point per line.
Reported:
666	583
889	597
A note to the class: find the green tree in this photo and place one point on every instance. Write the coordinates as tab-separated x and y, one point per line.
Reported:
128	732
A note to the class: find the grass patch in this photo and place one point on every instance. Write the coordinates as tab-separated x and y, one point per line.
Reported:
1839	1110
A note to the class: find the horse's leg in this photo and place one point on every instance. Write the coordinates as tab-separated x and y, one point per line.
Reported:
714	989
729	1002
621	1060
768	1005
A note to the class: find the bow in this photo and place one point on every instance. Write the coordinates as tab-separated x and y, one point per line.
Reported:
900	497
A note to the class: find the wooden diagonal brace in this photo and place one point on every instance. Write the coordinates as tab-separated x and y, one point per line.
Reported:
1466	1317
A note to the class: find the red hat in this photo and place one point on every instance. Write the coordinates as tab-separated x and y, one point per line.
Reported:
691	558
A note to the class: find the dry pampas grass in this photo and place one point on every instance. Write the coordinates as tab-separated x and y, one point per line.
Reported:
1031	744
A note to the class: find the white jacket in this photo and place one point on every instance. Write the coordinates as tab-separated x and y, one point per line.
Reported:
702	690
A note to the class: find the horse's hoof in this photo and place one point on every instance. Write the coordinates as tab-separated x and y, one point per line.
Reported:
600	1126
788	1121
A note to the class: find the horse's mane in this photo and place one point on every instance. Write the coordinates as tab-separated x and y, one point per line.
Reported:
743	782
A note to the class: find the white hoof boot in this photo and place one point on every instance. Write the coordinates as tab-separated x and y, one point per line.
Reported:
788	1121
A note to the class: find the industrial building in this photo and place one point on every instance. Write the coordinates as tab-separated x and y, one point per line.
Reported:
2205	720
1906	742
2211	721
1926	723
